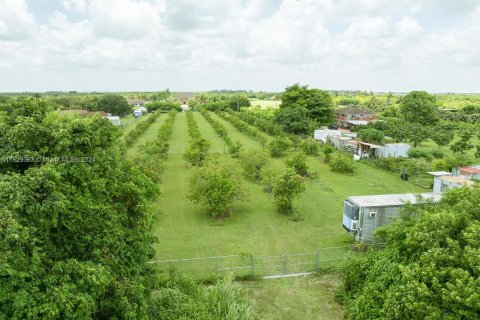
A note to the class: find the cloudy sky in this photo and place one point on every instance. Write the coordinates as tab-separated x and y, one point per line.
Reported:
116	45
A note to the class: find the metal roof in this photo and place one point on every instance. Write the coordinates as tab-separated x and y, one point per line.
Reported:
439	173
358	122
389	200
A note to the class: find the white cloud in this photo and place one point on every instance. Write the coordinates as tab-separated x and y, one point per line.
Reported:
258	44
124	19
15	20
74	5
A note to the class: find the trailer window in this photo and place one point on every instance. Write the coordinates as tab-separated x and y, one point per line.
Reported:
351	210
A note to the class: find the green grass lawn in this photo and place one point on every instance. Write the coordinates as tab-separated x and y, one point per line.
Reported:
129	122
297	298
149	135
430	145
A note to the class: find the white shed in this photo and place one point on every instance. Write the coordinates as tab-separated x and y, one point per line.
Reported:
137	113
323	134
115	120
395	150
443	180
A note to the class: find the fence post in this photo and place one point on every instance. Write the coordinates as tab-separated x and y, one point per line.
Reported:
317	260
285	265
252	265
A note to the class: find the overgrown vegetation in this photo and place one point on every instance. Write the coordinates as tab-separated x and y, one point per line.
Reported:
428	268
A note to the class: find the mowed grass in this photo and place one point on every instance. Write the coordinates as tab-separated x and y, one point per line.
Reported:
129	122
296	298
184	230
149	135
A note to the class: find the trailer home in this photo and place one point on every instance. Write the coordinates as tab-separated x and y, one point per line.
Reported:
362	215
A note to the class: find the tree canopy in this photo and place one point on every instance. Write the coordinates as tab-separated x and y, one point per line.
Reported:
429	267
74	221
114	104
303	109
419	107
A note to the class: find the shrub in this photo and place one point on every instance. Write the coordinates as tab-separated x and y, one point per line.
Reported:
327	151
438	154
449	162
310	147
418	153
278	146
215	186
285	188
372	136
253	162
197	152
343	163
163	106
183	298
299	164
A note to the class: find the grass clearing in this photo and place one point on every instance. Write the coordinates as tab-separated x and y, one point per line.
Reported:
296	298
149	135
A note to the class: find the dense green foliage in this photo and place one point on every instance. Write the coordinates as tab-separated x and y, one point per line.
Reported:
75	228
254	163
183	298
310	147
419	107
216	185
298	162
278	146
114	104
342	162
372	136
197	152
163	106
303	109
428	269
285	188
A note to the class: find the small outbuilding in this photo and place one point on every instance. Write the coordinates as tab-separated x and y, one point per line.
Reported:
469	173
362	215
115	120
323	134
443	181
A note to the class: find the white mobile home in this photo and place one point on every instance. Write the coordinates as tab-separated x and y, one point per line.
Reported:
362	215
395	150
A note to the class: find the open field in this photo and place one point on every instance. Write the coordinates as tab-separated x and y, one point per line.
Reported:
265	104
306	297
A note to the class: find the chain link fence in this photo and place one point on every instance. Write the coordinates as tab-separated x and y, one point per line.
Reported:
244	265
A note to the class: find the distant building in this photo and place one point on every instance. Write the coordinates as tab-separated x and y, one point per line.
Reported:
115	120
469	173
323	134
443	181
352	117
136	103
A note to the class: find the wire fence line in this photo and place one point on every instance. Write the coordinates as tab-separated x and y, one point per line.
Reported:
242	265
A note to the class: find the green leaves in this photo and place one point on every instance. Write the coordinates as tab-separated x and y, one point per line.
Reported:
285	188
75	236
215	186
428	269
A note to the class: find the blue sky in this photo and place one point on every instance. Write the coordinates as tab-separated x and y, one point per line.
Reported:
116	45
